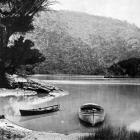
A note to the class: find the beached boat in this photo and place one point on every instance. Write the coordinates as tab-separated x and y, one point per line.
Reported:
39	111
91	113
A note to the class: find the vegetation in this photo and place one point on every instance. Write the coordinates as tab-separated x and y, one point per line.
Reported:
130	67
78	43
16	19
74	57
109	133
71	43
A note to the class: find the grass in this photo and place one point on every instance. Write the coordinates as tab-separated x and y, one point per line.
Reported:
110	133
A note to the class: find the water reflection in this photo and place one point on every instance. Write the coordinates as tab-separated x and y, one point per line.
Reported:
120	99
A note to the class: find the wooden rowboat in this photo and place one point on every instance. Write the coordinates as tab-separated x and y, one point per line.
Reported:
91	113
39	111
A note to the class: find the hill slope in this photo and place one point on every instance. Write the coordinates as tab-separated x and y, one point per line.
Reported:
78	43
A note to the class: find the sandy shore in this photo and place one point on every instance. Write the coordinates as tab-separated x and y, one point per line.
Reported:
16	92
54	136
9	129
13	131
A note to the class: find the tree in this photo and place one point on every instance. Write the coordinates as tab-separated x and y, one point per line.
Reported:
129	67
21	53
16	16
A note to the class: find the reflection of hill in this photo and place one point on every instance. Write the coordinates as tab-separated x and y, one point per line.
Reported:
79	43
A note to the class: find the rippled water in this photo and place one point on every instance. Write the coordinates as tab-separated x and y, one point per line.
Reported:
119	97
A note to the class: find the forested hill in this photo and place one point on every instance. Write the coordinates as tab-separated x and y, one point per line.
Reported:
78	43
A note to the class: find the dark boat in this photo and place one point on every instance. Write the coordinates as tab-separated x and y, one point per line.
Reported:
39	111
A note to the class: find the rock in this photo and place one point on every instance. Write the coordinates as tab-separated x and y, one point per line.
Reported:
27	84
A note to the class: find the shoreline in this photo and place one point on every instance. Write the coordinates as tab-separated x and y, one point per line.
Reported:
81	76
94	82
11	130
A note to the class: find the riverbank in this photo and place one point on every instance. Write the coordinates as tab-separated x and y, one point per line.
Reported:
12	131
74	76
54	136
25	83
16	92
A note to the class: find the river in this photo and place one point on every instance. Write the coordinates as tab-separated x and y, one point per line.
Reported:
119	97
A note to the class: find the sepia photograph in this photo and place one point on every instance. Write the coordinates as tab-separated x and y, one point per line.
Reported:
69	70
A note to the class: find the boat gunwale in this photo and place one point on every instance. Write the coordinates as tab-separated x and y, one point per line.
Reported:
95	106
42	109
91	113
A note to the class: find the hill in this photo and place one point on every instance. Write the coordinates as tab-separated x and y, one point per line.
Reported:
78	43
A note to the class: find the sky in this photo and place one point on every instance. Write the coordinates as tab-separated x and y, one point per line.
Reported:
128	10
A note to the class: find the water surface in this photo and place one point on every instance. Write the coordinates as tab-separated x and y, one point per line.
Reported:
119	97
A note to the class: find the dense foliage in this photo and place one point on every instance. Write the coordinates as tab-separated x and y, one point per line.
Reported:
20	54
68	55
130	67
16	18
77	43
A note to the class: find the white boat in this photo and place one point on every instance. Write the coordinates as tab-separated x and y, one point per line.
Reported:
91	113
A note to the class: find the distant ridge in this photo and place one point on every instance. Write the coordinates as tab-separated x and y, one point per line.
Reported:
82	24
99	42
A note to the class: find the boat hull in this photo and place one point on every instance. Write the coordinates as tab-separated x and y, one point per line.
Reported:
91	118
38	112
